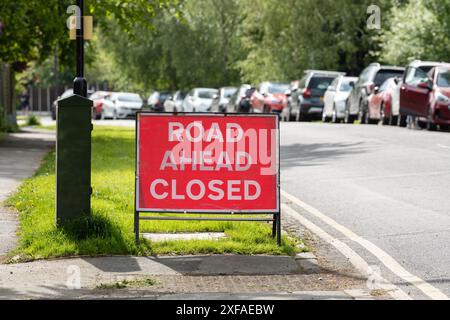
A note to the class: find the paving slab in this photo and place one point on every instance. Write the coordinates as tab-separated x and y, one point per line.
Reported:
160	237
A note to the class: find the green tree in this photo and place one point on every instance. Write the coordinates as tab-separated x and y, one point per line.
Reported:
418	29
32	29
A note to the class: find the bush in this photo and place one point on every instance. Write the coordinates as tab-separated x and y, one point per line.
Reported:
33	121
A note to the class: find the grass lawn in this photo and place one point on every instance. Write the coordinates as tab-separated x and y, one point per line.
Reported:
110	231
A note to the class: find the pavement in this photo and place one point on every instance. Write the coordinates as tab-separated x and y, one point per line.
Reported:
208	277
20	156
389	186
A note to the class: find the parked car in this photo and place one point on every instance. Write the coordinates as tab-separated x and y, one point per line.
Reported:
221	100
199	100
175	102
157	99
270	97
336	97
413	98
370	79
235	99
99	98
380	103
307	94
65	94
122	105
245	104
432	99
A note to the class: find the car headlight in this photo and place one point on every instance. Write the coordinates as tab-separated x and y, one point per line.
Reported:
442	98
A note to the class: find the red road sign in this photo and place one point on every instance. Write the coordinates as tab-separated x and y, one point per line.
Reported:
210	163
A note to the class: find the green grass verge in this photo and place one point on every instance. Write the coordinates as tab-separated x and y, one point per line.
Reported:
110	230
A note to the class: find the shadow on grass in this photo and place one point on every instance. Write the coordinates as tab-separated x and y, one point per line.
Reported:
95	226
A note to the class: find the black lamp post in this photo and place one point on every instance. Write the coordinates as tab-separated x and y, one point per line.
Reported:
79	83
73	143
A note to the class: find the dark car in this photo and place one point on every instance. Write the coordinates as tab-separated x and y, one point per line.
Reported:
370	79
412	96
157	99
245	105
235	99
306	99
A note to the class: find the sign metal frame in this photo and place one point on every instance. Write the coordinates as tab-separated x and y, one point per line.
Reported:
275	213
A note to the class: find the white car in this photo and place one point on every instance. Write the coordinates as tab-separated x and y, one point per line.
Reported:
175	102
199	100
221	100
395	101
336	97
122	105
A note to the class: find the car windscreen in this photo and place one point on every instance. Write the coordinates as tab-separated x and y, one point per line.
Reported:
278	88
320	84
181	96
228	92
345	86
443	79
383	75
164	96
207	94
130	98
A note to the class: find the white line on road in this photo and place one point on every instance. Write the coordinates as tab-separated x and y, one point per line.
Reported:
359	263
443	146
386	259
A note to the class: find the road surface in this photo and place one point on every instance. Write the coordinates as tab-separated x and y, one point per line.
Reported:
388	185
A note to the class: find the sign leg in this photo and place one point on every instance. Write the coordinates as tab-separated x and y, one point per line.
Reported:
136	227
274	226
279	228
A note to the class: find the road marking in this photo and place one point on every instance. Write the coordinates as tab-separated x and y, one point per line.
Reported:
443	146
386	259
359	263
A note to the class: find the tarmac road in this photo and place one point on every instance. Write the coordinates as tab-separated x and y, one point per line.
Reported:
389	185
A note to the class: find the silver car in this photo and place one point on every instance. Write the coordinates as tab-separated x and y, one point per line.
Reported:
175	102
222	99
336	97
123	105
199	100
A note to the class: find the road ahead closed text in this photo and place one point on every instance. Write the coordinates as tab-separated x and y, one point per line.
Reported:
209	163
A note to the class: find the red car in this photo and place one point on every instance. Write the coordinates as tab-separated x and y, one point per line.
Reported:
413	98
98	97
435	111
270	97
380	103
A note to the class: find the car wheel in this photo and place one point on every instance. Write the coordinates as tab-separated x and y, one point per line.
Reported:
325	118
393	120
384	120
334	117
348	118
430	124
401	121
300	117
362	115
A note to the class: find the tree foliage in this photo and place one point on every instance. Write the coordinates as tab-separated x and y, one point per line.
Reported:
418	29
